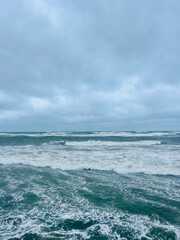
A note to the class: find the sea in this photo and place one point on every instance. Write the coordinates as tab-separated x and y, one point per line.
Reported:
90	185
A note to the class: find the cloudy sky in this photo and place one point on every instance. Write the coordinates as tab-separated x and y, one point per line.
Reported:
89	65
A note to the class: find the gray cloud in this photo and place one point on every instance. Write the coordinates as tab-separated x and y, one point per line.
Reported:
78	65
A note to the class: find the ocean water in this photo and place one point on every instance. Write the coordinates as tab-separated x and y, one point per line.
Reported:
99	185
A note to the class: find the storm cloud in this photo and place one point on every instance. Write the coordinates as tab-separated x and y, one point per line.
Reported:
89	65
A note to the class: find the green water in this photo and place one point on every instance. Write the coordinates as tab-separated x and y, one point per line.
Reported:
42	203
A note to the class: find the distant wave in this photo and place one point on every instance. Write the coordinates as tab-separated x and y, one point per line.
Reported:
89	134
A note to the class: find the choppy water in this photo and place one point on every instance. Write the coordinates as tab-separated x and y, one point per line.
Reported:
99	185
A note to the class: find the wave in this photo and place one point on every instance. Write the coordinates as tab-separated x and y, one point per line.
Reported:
90	134
112	143
97	143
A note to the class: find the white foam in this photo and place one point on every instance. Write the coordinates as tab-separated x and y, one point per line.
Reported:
139	225
123	157
113	143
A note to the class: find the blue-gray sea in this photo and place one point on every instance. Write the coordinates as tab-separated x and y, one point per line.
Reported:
99	185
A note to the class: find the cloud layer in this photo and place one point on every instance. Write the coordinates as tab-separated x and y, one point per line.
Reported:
89	65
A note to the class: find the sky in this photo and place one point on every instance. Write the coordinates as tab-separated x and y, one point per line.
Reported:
82	65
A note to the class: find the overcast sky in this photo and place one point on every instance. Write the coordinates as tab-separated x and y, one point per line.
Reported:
89	65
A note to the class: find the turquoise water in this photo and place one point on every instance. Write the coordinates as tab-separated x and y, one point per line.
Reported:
99	185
